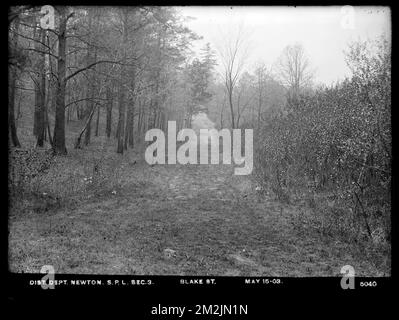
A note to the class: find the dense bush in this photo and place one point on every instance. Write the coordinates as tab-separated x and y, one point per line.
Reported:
42	182
334	146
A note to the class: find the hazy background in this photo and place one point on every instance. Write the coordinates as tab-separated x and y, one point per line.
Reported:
321	30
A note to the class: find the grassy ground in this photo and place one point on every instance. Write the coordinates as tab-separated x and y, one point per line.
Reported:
176	220
132	218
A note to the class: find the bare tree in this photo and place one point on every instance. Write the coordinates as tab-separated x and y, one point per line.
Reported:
262	73
233	56
294	70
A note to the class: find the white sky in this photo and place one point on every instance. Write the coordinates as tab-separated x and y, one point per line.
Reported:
319	29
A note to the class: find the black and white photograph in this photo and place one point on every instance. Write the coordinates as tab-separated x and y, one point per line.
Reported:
207	141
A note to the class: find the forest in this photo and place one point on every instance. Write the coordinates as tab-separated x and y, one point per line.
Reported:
85	84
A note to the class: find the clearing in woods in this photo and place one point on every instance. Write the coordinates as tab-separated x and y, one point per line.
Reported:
178	220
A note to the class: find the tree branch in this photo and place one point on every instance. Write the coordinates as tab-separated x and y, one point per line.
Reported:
84	99
93	64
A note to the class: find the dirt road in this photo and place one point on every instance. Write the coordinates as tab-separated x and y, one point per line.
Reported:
178	220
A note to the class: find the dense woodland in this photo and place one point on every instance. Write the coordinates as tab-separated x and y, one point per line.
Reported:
117	72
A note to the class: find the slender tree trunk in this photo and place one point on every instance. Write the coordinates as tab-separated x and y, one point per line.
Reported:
42	122
39	128
79	138
121	122
154	123
155	103
221	115
109	112
97	121
159	119
12	74
48	128
47	82
131	130
163	123
140	118
231	107
59	126
79	112
90	58
190	119
18	108
11	103
88	128
151	115
130	116
127	127
36	81
118	124
143	121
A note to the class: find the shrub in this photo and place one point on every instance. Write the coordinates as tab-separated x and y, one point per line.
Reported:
336	144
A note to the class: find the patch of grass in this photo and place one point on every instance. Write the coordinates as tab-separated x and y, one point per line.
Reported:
213	221
80	176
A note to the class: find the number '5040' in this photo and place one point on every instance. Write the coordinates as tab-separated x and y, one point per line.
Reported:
368	283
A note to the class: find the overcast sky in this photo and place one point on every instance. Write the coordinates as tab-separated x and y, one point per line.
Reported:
323	31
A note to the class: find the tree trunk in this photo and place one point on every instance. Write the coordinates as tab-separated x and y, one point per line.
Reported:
121	121
11	115
88	129
59	126
18	108
260	102
79	138
79	112
48	128
140	119
39	128
131	131
231	107
121	93
131	128
12	74
90	58
109	112
97	121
